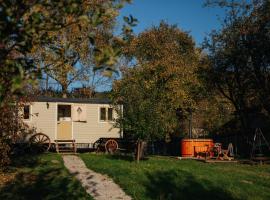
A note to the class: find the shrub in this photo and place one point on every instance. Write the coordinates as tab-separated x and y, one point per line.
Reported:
4	155
12	130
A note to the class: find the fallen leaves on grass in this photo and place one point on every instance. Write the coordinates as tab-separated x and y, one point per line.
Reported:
6	177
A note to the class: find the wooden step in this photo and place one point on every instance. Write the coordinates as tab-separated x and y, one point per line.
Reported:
65	141
66	150
65	146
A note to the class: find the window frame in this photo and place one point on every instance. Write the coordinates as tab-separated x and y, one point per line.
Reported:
112	118
57	113
106	114
30	113
101	120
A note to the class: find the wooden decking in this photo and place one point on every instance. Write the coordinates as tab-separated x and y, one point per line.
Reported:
220	161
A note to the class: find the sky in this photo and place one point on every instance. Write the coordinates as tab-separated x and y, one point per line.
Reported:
188	15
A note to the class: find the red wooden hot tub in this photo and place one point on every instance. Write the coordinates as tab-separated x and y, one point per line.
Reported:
189	146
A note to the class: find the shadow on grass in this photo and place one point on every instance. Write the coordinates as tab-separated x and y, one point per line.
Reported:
27	160
127	157
44	180
169	185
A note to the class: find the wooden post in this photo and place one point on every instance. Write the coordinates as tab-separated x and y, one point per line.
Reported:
141	145
138	151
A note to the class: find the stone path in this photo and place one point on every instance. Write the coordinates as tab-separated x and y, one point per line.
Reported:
99	186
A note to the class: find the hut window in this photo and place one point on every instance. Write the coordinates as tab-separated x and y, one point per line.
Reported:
106	114
110	114
64	112
102	114
26	112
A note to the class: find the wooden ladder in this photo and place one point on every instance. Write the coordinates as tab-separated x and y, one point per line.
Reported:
65	146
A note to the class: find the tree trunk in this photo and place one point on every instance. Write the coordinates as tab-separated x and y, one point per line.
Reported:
47	84
140	150
64	90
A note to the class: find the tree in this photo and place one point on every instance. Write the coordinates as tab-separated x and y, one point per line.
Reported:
25	25
212	109
239	55
160	82
76	52
22	25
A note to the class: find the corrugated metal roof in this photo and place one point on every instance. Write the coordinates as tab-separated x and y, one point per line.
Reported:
72	100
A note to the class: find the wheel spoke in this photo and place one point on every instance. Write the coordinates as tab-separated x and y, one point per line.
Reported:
111	146
36	139
46	139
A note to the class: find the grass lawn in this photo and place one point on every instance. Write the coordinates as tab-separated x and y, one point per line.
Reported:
40	177
166	178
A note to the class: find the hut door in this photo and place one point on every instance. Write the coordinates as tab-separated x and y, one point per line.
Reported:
64	122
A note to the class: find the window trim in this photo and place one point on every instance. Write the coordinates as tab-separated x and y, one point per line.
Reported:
65	104
106	114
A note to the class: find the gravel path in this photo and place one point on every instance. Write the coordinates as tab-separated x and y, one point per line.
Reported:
99	186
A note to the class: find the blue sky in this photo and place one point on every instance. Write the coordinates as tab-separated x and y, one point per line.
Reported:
189	15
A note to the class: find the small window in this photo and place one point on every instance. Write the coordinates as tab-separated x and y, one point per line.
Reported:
102	114
64	112
26	112
110	114
106	114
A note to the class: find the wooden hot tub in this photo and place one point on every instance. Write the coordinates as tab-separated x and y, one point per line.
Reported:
189	146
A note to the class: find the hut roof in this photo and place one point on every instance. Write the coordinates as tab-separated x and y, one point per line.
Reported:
72	100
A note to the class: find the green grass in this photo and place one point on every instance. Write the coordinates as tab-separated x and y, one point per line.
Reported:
41	177
166	178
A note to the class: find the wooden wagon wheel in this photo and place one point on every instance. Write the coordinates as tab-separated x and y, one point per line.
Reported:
97	145
111	146
41	141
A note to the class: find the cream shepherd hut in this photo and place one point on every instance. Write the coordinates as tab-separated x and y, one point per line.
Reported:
82	120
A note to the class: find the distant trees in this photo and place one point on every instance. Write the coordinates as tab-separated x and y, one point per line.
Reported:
160	82
240	58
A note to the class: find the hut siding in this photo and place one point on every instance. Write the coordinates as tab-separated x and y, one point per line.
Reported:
83	132
93	129
43	118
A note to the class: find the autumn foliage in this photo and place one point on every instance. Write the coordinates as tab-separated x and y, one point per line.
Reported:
159	83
